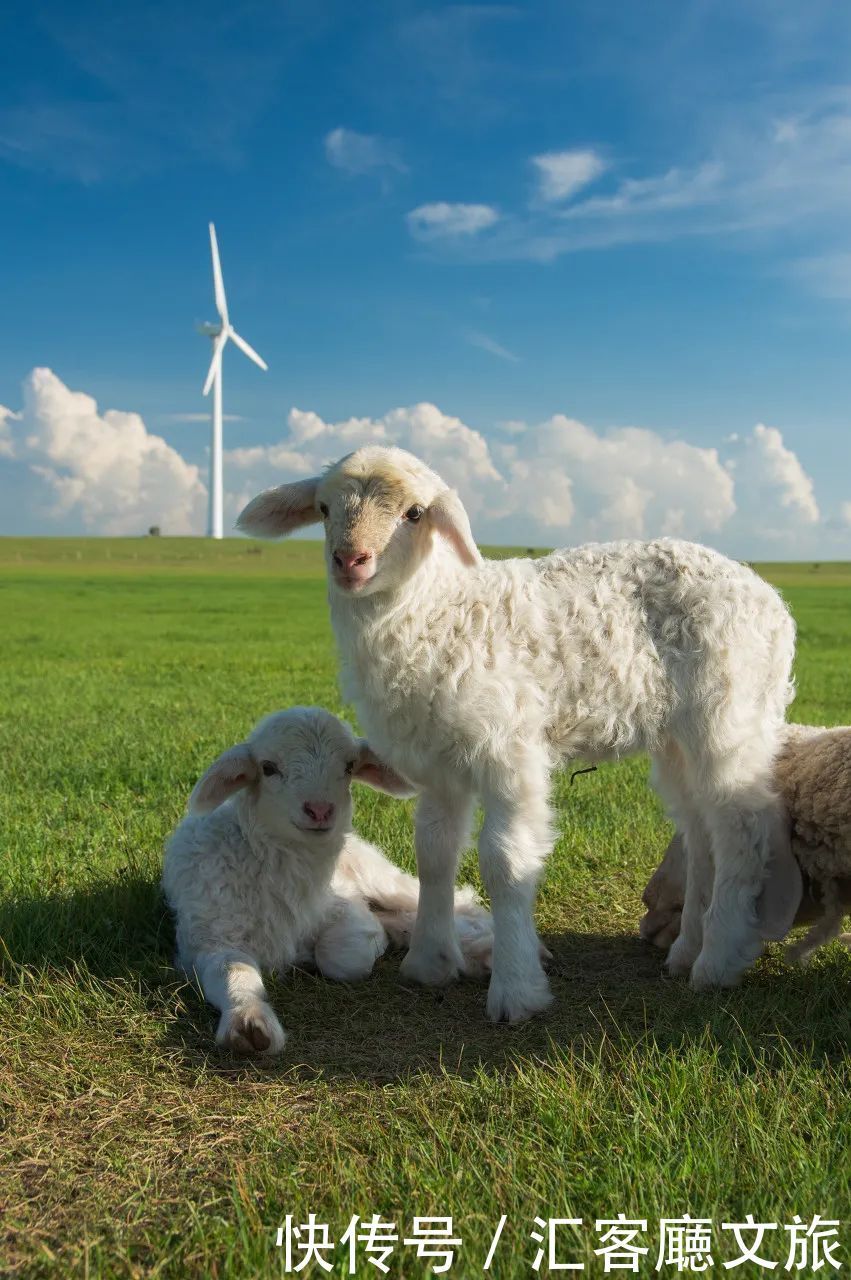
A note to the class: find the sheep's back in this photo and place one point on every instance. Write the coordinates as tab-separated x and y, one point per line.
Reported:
661	630
813	769
589	651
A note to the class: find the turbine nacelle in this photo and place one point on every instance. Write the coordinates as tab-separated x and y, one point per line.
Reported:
220	339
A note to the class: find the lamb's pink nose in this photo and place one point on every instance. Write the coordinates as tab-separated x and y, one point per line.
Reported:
319	812
356	564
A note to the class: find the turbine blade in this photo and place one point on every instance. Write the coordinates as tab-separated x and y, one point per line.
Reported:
218	282
248	350
218	348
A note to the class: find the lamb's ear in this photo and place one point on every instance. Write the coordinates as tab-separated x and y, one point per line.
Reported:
277	512
778	903
235	768
450	520
377	774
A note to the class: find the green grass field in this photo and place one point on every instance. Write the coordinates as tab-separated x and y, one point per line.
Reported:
131	1147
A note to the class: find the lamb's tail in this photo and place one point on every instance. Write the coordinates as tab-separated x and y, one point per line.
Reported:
393	896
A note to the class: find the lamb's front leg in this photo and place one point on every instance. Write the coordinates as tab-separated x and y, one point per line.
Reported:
442	828
514	843
232	981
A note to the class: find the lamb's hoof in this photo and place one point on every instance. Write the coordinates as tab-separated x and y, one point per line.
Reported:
680	959
432	968
518	1001
660	928
709	975
252	1031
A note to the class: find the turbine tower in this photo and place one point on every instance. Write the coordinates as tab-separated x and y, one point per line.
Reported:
219	334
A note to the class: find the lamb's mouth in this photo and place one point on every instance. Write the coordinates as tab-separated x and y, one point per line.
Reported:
351	585
314	831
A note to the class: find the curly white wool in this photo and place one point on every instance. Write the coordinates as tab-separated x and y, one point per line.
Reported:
476	677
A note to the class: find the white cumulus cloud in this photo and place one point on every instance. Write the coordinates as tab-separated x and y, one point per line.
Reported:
446	221
105	468
310	443
540	482
770	476
562	173
626	483
547	483
7	417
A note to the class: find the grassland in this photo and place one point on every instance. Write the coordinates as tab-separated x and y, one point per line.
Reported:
130	1147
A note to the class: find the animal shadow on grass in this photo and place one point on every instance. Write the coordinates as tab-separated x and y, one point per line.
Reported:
607	987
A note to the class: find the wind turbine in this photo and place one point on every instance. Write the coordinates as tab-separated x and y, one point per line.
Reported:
219	334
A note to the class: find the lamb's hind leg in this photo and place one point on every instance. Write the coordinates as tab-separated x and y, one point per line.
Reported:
515	841
669	779
824	930
728	780
442	826
349	941
687	946
747	832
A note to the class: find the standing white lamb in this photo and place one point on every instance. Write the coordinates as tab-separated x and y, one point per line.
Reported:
265	872
476	677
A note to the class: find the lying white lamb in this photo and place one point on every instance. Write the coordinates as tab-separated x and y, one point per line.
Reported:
476	677
265	872
813	774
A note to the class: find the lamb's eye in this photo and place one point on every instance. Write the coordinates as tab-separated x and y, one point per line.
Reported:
323	507
269	768
414	513
350	768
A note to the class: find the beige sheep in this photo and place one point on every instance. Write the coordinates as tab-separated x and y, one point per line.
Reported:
813	772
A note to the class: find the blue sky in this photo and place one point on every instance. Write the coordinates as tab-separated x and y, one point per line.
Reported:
619	216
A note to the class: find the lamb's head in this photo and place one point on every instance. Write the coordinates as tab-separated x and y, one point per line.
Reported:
382	509
296	769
